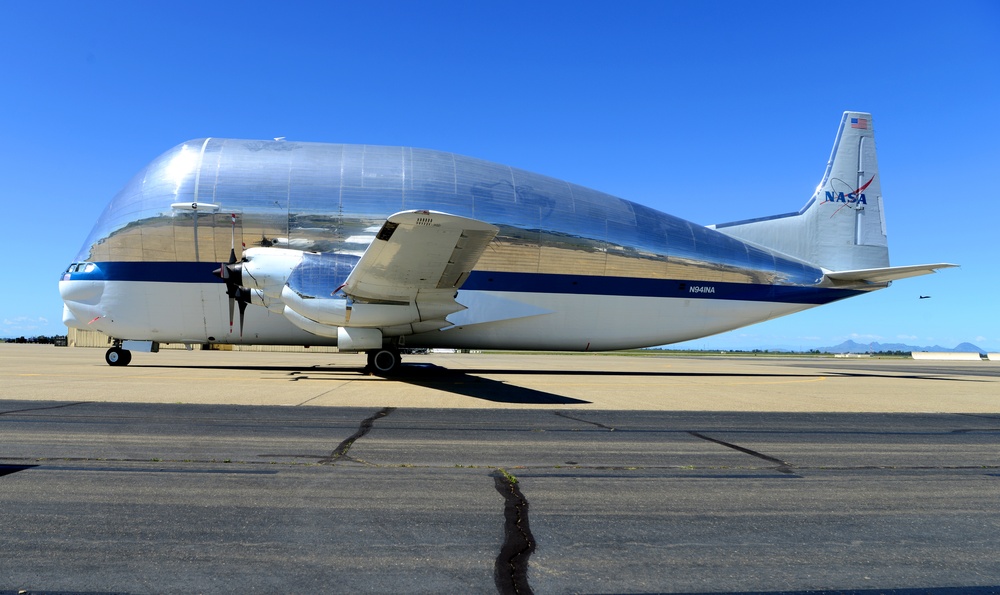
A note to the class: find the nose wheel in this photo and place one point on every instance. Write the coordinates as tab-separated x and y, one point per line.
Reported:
383	362
116	356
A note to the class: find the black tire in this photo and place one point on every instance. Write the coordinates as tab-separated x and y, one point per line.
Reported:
383	362
117	356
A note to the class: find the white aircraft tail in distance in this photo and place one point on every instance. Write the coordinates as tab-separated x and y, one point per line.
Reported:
378	249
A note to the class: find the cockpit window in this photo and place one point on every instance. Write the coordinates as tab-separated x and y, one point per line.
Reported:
81	267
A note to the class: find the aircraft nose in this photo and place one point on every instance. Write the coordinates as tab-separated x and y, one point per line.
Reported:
70	320
86	292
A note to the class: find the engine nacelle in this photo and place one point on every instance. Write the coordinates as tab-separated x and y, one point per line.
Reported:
267	270
344	312
358	339
348	339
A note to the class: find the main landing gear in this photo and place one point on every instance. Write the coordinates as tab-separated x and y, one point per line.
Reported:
116	356
383	362
121	350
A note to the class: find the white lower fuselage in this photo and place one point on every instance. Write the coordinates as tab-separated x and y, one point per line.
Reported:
198	313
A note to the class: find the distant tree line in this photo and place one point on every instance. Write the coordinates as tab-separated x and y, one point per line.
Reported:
41	339
886	352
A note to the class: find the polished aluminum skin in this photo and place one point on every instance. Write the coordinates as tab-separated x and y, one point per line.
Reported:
333	198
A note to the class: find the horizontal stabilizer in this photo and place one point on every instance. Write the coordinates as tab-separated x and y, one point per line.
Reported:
882	275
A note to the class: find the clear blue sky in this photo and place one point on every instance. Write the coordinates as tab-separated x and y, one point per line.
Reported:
712	111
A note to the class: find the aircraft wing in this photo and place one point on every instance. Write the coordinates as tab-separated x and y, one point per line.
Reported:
424	252
881	275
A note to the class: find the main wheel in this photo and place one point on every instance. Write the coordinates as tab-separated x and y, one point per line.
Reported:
116	356
383	362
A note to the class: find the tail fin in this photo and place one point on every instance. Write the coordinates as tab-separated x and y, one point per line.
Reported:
842	227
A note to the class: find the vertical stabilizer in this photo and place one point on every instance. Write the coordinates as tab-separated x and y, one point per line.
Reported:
842	227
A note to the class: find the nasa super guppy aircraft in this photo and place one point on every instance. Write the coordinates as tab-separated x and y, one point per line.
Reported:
381	249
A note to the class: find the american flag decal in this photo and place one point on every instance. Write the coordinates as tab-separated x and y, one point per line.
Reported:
861	123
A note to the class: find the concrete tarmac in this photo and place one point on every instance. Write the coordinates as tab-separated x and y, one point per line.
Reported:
506	381
221	472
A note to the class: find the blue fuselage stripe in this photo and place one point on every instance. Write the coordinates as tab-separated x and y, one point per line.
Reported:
201	272
661	288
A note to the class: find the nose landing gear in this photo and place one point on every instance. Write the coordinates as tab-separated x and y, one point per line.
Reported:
116	356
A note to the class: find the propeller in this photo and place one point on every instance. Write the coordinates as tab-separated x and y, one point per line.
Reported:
232	274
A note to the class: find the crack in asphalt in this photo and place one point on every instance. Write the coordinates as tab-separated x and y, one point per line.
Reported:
510	572
366	425
586	421
44	408
783	466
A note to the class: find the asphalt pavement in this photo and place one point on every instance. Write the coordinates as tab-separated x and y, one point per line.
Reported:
118	497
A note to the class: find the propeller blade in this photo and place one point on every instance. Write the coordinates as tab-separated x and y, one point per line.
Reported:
243	308
232	274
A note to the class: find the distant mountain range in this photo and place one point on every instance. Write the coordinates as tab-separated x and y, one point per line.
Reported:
854	347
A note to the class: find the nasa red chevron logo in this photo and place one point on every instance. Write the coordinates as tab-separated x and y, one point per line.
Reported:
855	197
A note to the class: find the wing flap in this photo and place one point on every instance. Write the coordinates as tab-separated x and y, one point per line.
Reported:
881	275
468	249
418	251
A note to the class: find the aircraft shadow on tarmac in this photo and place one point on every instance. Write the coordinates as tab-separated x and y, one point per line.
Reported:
468	383
459	382
472	383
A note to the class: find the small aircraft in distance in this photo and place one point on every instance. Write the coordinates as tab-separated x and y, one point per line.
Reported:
924	297
381	249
